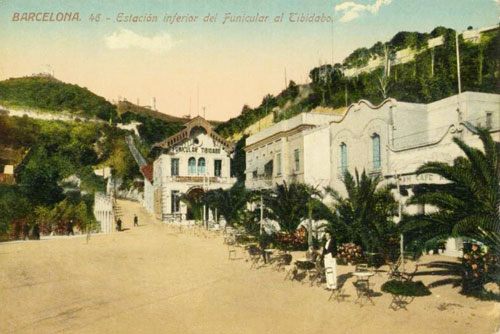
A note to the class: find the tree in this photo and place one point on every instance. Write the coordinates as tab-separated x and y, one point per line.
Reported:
288	204
468	206
364	217
38	180
230	203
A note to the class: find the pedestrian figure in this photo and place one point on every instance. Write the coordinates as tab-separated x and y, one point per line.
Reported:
70	227
36	231
26	231
119	224
136	220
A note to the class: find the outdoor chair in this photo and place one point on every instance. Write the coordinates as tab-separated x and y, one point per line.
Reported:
363	292
408	276
282	260
304	268
231	250
317	274
361	267
292	272
400	302
338	291
254	253
394	268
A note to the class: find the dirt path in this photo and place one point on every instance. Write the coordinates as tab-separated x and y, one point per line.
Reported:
153	279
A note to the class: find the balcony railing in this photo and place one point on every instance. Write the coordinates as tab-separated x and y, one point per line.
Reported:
201	179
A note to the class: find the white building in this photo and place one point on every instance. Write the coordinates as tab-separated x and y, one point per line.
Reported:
192	161
288	151
391	140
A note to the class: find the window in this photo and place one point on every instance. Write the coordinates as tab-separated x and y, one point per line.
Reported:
268	169
489	120
278	163
254	174
297	159
192	166
174	167
376	151
201	166
217	167
175	201
343	158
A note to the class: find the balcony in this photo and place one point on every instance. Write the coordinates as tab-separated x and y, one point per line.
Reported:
201	179
261	182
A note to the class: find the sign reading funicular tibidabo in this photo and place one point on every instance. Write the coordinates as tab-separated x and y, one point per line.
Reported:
194	149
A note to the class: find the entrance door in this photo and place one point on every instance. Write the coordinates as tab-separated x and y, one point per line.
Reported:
194	204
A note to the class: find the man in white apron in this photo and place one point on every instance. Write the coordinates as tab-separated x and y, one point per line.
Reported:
329	254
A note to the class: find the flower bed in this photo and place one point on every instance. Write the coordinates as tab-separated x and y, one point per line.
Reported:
350	253
291	240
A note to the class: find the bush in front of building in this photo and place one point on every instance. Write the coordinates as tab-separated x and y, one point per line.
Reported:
479	267
291	241
350	254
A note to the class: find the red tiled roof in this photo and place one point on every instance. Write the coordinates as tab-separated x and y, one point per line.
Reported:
147	171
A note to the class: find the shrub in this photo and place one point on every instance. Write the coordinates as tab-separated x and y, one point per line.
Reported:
292	240
479	267
350	253
406	288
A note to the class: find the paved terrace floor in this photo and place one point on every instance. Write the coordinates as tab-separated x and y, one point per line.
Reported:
153	279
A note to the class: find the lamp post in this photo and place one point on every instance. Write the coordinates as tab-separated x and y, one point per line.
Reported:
261	214
400	213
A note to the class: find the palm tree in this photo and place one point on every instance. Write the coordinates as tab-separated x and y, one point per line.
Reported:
364	217
468	206
230	203
288	204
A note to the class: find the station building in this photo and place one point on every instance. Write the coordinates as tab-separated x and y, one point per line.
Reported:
190	162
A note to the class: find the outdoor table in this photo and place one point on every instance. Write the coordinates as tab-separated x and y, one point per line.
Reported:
303	262
267	254
363	275
362	285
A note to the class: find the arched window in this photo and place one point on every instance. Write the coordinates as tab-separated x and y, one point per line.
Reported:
201	166
343	158
376	150
192	166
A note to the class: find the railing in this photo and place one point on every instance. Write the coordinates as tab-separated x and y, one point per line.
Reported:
174	216
201	179
261	181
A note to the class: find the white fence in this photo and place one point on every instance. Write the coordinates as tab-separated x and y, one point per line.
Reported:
103	211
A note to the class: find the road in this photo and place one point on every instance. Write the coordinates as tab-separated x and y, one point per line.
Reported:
153	279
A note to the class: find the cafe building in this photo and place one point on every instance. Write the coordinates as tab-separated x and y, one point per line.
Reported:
390	140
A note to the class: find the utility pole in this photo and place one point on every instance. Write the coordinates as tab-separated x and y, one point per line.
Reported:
309	234
458	64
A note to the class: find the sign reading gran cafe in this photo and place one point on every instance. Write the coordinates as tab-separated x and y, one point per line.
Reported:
189	163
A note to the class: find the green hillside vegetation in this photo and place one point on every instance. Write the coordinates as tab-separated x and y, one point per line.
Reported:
57	150
49	94
431	76
126	108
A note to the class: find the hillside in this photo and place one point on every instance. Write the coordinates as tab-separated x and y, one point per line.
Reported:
125	107
410	67
49	94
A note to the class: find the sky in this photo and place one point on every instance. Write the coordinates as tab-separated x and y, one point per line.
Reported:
216	66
